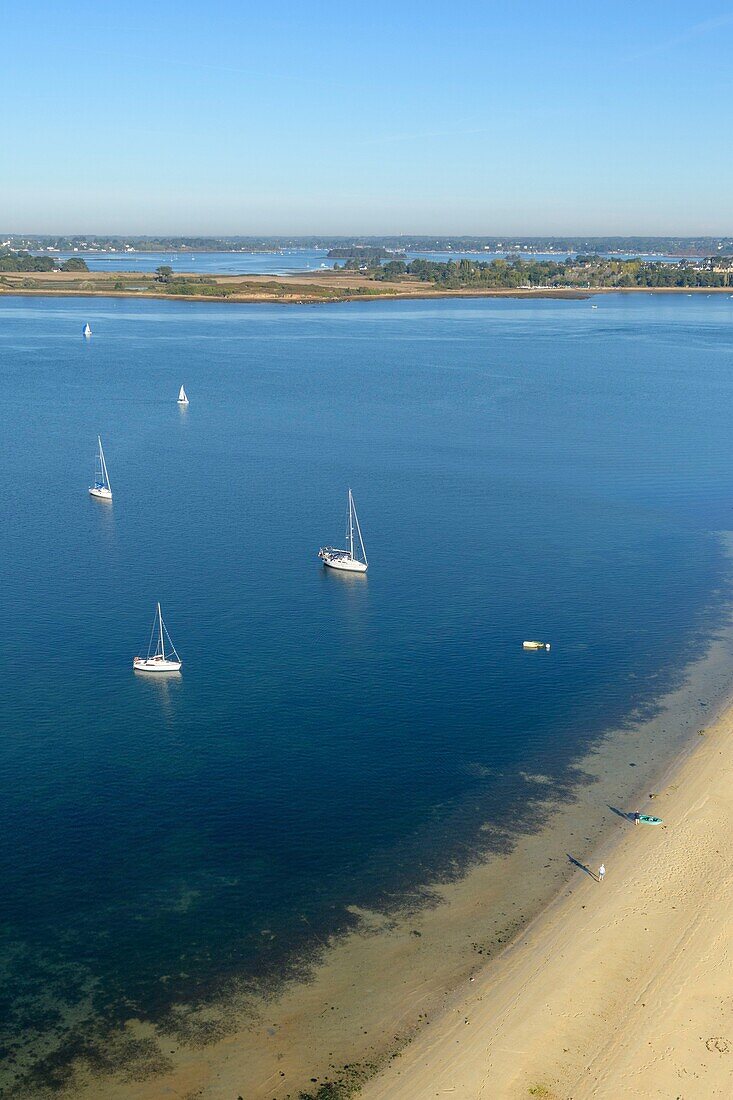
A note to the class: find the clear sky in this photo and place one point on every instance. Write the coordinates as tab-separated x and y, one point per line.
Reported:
494	117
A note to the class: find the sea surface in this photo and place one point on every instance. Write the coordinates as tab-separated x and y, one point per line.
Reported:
287	261
522	469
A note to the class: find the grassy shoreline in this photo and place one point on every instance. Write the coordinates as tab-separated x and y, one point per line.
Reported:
293	289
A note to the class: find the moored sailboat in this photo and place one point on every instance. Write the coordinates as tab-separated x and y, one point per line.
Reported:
101	489
158	660
353	559
182	397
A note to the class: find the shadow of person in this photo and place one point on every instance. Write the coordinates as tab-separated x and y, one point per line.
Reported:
576	863
621	813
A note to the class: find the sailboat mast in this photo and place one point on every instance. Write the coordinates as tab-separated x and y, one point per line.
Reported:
351	526
160	622
103	464
358	531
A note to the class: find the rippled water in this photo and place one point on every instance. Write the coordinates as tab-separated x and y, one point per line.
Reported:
521	468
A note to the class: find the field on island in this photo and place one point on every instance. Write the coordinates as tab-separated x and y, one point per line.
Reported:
325	286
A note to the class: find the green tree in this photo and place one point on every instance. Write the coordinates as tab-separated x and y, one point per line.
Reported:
74	263
394	268
164	273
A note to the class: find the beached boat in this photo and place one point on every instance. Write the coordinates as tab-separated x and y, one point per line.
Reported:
87	330
101	489
347	560
158	660
536	645
182	398
647	819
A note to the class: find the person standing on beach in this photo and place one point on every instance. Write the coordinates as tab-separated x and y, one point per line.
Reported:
601	873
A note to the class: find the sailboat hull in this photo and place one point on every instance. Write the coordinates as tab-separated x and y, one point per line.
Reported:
100	493
155	664
344	564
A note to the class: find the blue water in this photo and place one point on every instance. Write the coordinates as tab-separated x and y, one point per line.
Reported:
287	261
521	469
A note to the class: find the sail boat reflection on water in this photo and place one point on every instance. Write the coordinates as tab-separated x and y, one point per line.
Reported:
165	692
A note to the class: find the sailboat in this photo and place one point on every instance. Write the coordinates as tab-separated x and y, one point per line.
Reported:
157	659
182	398
347	560
101	489
87	330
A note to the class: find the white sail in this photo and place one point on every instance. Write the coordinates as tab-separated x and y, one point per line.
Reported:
350	560
158	659
182	398
87	330
101	489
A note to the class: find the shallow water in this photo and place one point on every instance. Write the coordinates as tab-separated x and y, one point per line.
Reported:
521	468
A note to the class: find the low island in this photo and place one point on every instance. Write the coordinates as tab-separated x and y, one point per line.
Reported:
370	275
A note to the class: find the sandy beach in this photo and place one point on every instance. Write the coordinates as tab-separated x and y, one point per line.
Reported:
620	989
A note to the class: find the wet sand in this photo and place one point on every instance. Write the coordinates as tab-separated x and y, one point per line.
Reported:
402	982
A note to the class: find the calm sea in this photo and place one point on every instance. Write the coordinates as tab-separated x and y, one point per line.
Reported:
287	261
521	469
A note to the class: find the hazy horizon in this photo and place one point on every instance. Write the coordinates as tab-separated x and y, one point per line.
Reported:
569	120
351	235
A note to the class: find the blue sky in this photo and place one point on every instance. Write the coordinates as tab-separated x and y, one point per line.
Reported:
480	118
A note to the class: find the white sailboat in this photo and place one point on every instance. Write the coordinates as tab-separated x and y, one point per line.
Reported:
347	560
157	659
87	330
101	489
182	398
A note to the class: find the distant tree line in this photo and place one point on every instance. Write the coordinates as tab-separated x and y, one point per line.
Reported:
670	246
361	253
584	272
23	261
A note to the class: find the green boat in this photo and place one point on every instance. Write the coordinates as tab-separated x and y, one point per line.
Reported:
645	819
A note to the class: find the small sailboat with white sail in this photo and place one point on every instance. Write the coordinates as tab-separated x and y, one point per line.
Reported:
87	330
158	659
353	559
182	397
101	489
